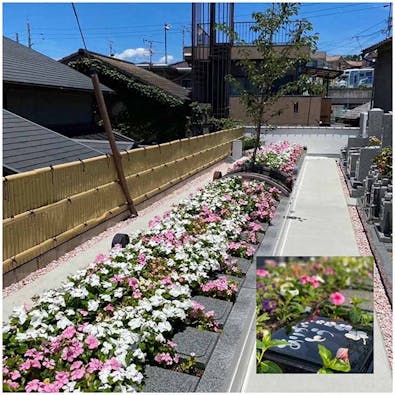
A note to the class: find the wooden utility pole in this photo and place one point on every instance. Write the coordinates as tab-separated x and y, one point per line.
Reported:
115	152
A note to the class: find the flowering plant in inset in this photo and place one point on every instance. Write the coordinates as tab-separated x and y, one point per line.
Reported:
340	363
289	290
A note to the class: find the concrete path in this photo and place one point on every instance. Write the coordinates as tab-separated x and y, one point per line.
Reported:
318	222
86	253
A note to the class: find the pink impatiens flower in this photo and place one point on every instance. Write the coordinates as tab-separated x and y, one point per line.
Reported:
92	342
337	298
262	273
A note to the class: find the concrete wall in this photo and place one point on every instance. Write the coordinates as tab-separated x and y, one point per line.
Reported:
319	140
350	95
49	107
309	111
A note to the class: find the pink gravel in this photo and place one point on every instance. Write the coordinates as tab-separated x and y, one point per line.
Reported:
192	184
382	305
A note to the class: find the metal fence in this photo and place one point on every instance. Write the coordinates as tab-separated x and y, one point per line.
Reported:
46	207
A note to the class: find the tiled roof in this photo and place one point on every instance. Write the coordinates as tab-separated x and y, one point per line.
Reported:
23	65
103	136
104	145
29	146
138	73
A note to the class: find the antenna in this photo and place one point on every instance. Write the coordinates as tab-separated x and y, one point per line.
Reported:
17	37
111	48
389	20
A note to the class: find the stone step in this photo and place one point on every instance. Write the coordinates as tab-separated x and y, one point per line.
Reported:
201	343
221	308
165	380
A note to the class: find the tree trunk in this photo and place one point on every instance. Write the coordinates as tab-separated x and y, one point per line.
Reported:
257	140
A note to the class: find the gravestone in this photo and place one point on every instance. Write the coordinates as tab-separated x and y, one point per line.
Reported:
221	308
375	122
366	305
352	163
363	121
196	341
301	354
386	139
365	161
357	142
165	380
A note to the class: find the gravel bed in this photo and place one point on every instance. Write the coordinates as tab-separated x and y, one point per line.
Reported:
193	185
382	305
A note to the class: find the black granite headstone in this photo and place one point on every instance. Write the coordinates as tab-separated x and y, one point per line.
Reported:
301	355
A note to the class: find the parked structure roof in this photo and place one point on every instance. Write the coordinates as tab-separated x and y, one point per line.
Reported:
29	146
23	65
136	72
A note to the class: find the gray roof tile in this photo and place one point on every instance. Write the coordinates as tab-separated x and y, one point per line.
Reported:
29	146
23	65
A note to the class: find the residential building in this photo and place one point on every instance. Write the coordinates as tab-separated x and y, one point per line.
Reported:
47	92
380	55
147	107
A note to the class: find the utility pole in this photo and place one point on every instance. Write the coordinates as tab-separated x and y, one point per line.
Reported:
166	27
17	37
389	21
150	50
184	30
29	39
111	49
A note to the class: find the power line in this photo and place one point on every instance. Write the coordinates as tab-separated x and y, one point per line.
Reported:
79	26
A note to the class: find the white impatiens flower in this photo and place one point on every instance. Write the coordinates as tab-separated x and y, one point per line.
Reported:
81	293
118	293
93	305
164	326
20	313
106	347
63	323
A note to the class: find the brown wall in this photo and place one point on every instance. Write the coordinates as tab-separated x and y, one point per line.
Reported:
309	111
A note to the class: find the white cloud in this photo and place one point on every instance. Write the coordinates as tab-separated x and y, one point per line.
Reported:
137	53
170	58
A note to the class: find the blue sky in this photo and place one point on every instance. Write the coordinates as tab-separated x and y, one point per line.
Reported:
344	28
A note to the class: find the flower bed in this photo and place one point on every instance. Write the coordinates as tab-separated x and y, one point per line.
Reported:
290	292
99	330
282	157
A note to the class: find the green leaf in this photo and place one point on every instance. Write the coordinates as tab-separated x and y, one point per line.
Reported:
325	355
269	367
259	345
325	371
340	365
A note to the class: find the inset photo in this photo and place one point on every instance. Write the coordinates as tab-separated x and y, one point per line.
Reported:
314	315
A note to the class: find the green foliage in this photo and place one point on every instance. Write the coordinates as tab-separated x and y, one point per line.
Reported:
262	346
331	364
278	62
149	114
249	142
384	162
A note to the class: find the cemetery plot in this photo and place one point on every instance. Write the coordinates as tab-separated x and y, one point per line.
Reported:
148	315
314	315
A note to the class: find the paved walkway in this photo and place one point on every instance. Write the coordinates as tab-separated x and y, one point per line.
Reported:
85	254
319	224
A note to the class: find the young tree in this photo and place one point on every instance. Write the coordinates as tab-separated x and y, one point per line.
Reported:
276	61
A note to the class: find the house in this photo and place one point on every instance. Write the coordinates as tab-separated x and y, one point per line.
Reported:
179	72
147	107
214	55
381	56
47	92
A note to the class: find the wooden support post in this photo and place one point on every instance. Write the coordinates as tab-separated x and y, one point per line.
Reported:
115	152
